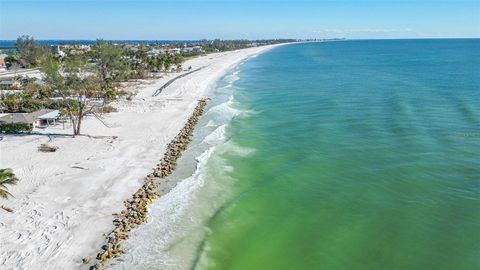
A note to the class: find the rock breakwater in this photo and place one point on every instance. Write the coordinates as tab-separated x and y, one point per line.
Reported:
136	207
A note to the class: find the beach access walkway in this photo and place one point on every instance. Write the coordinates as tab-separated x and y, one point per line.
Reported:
159	90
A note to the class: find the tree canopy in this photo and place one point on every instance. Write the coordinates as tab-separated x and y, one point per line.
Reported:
30	52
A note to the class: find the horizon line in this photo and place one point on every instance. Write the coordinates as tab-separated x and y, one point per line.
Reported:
258	39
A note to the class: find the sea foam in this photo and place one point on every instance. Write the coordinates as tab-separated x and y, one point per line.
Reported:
150	246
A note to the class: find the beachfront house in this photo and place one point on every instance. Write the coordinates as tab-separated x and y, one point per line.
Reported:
37	119
49	118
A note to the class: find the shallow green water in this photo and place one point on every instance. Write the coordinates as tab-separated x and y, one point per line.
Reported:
341	155
359	155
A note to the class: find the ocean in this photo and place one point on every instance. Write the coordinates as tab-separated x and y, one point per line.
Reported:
333	155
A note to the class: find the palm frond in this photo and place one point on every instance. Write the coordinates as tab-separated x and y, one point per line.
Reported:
4	194
7	177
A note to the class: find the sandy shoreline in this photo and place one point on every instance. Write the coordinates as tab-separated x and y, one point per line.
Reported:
65	200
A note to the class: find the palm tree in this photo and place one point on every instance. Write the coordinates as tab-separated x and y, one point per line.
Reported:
6	178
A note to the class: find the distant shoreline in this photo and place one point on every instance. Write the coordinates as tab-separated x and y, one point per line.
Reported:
11	42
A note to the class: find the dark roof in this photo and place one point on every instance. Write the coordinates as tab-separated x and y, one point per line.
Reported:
40	112
17	118
26	118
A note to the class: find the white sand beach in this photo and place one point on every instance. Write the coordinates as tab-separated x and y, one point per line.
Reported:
64	200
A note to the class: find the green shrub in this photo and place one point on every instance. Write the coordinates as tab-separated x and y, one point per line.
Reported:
15	128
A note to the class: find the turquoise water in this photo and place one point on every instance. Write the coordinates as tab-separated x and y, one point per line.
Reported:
366	156
341	155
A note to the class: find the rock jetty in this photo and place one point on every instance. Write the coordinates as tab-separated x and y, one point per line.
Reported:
136	207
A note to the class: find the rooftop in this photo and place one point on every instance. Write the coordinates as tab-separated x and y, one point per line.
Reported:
50	115
29	118
17	118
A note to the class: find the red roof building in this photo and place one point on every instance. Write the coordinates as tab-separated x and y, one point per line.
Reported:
3	66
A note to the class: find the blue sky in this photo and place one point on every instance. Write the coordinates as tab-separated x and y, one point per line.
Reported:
233	19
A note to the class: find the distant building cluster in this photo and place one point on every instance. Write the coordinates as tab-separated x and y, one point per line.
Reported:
152	50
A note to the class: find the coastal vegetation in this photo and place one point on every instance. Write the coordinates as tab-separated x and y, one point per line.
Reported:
15	128
81	80
109	65
30	53
82	92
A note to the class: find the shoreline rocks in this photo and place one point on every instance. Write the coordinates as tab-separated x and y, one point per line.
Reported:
136	207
